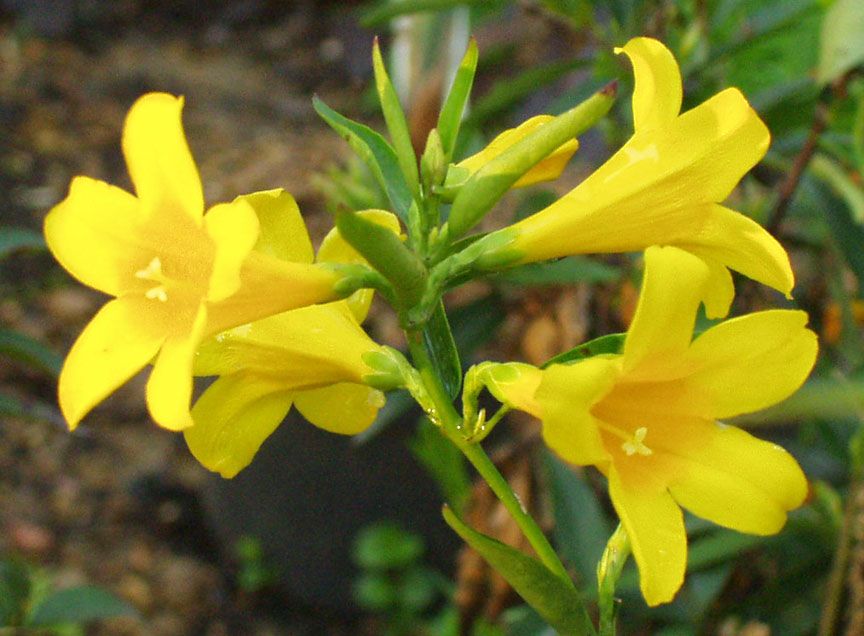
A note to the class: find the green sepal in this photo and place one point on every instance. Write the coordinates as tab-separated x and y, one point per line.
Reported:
490	183
394	117
450	117
441	347
386	253
374	150
604	345
554	598
390	369
433	164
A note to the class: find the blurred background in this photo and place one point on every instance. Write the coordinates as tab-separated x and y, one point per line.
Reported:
115	529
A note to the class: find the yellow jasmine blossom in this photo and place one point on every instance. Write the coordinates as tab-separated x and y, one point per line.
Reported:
311	357
647	418
663	187
547	170
176	274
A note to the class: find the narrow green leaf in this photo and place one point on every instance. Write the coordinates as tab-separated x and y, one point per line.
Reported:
848	235
375	152
13	239
611	343
838	179
438	339
842	44
490	183
566	271
24	349
78	605
384	11
397	125
450	117
476	323
443	461
555	599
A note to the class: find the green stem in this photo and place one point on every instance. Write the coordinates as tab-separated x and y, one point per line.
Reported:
451	424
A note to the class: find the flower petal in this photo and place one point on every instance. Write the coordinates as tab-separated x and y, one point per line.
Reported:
548	169
95	233
232	418
566	395
672	289
344	408
655	526
169	388
751	362
234	230
658	91
736	480
117	343
742	244
719	290
283	231
514	384
157	155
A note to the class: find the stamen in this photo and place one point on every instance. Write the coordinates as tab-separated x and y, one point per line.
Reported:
153	271
157	293
636	445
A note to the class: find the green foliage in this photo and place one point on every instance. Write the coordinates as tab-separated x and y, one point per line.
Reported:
14	239
842	44
254	573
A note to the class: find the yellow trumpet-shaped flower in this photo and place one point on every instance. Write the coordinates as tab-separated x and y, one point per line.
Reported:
664	187
647	418
311	357
548	169
176	274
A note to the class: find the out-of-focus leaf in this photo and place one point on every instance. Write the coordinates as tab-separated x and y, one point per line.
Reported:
13	239
842	44
78	605
611	343
443	461
24	349
441	348
450	117
837	178
581	527
375	592
556	600
376	152
858	133
566	271
386	546
848	235
15	589
386	10
827	398
11	407
476	323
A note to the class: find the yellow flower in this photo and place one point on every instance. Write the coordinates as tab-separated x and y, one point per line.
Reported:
547	170
647	418
663	187
311	357
177	275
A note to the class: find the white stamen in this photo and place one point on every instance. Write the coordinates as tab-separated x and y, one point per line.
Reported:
157	293
153	271
636	445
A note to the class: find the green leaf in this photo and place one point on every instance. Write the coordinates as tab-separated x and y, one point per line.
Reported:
386	546
581	527
375	152
476	323
611	343
78	605
394	116
555	599
833	174
842	44
848	235
386	10
566	271
15	589
450	117
34	354
13	239
443	461
439	343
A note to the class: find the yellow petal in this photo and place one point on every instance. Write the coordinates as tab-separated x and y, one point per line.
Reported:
566	395
735	480
234	230
335	249
672	288
162	169
96	234
115	345
344	408
169	388
548	169
283	231
719	289
655	526
232	418
270	286
653	190
514	384
751	362
658	92
742	244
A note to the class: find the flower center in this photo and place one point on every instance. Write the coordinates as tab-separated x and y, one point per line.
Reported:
636	443
153	272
